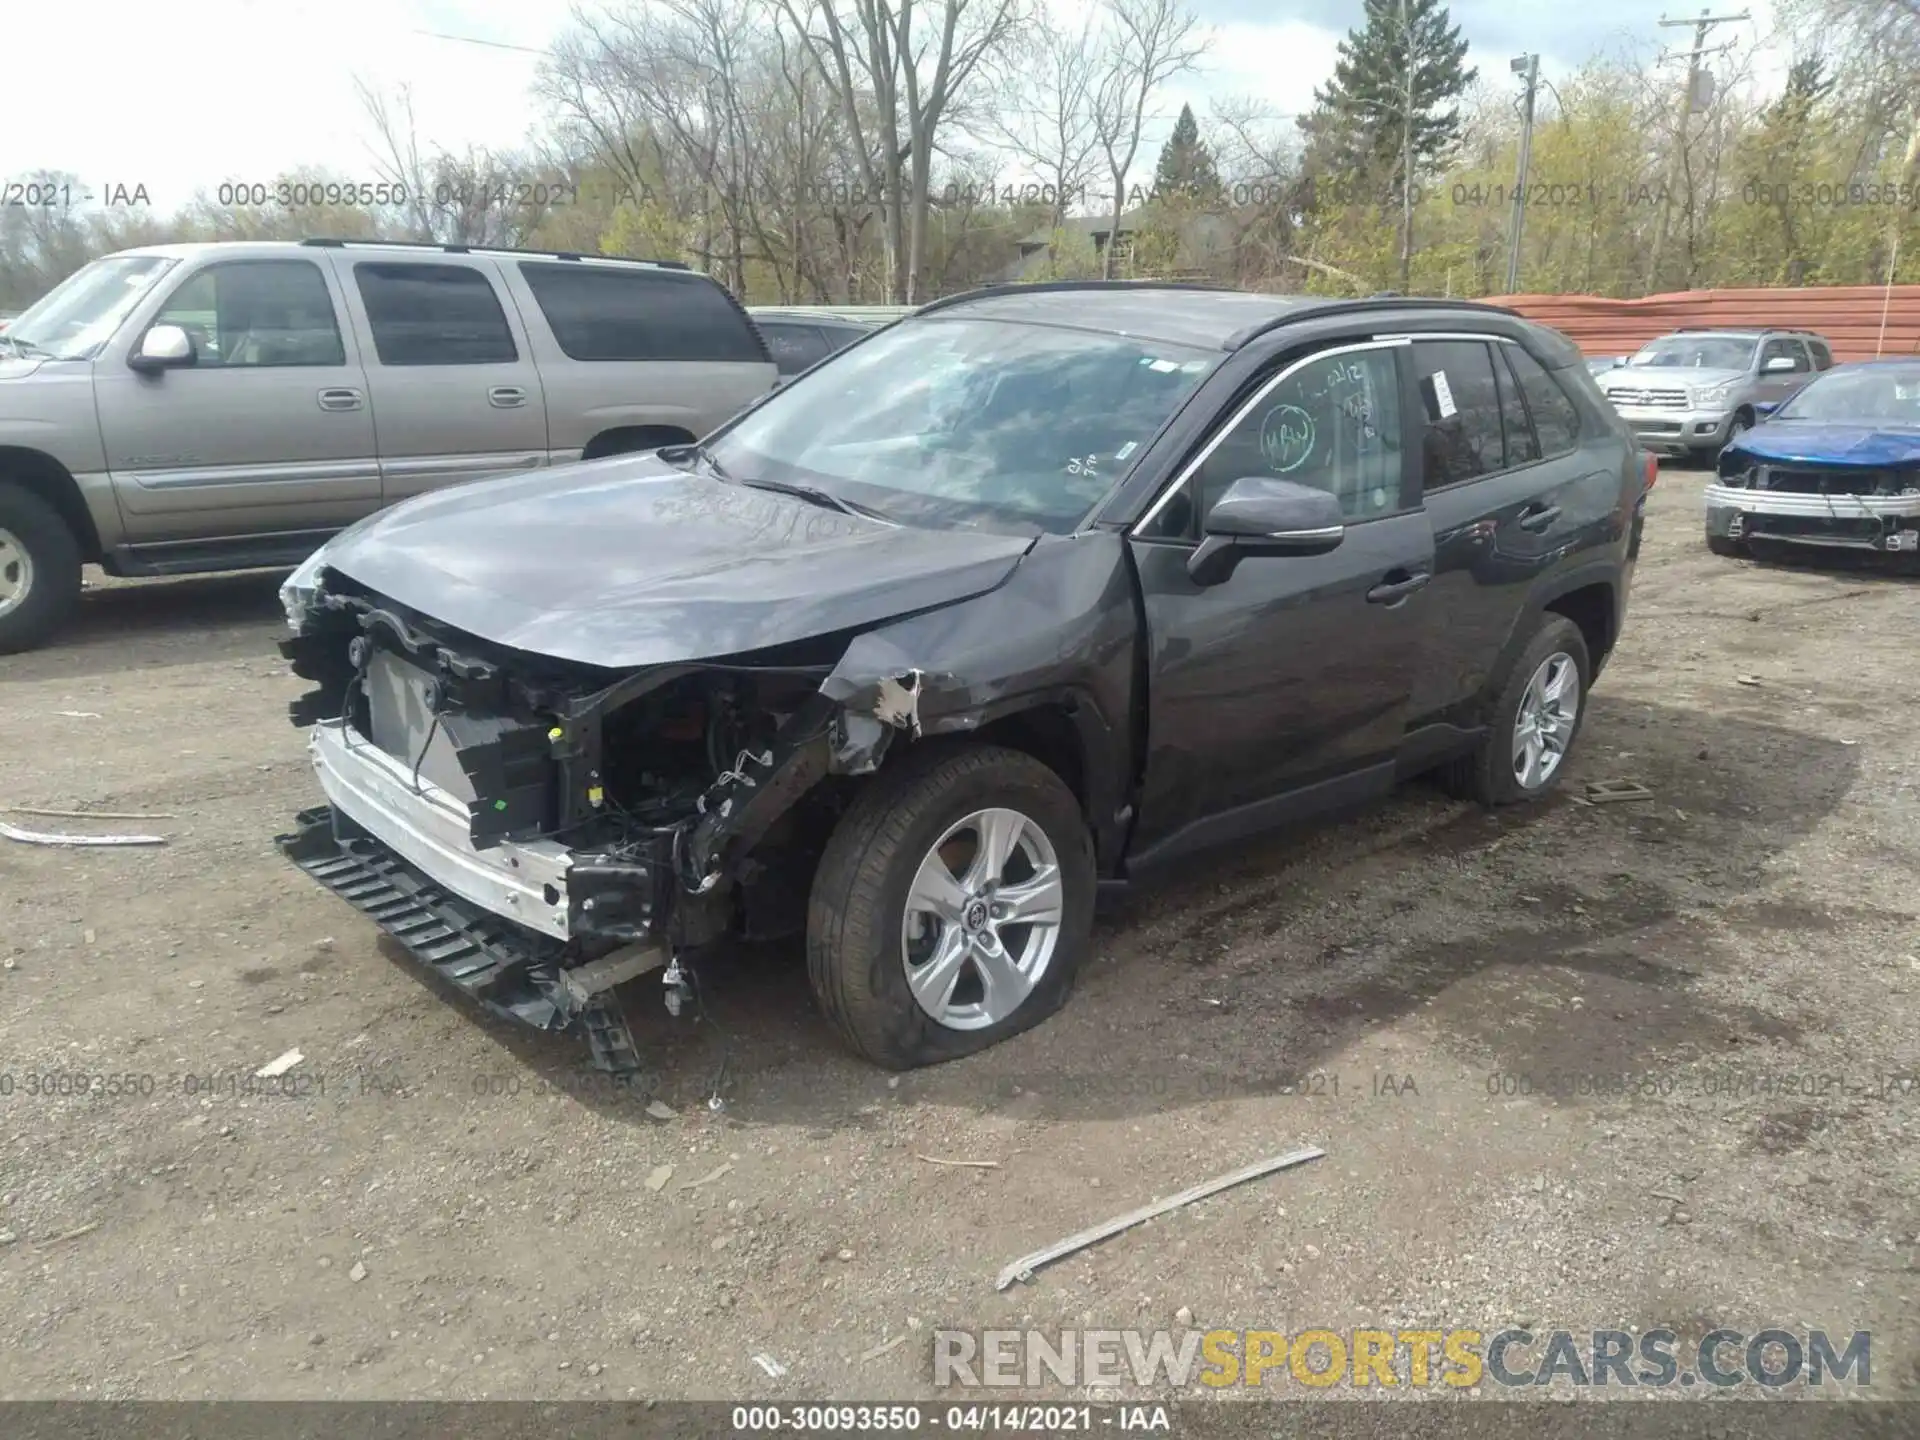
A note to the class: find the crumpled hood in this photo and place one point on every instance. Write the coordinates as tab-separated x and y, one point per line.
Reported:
1790	442
631	561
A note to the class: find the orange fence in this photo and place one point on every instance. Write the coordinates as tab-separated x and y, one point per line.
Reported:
1850	316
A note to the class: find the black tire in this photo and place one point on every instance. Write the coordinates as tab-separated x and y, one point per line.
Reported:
855	962
54	591
1486	775
1723	545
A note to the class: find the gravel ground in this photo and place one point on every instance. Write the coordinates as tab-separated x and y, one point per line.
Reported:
452	1209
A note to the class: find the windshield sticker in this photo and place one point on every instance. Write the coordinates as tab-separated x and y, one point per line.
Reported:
1163	367
1286	438
1126	449
1443	395
1194	367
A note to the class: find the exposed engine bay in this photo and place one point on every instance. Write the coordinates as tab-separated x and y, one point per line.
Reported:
618	821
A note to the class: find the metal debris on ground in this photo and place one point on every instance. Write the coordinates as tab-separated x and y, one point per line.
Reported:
39	837
1746	679
884	1346
80	814
279	1066
772	1366
970	1164
708	1178
1023	1268
1608	792
79	714
660	1110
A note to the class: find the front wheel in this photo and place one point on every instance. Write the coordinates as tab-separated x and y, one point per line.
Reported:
952	906
1724	545
39	569
1533	723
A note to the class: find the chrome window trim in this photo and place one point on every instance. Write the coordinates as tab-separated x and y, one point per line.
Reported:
1452	335
1188	471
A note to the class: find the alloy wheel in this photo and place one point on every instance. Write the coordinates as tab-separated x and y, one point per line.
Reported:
1544	726
982	919
16	573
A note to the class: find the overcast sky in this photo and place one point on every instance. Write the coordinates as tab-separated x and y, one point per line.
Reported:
176	97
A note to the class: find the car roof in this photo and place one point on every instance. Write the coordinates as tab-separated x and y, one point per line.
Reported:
1744	332
260	249
1198	316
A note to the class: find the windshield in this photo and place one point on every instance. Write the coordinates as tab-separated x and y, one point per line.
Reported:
1862	397
79	315
959	422
1699	352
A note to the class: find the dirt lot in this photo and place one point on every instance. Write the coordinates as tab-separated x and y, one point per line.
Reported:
454	1209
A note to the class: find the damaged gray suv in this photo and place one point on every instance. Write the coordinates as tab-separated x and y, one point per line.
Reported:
1026	596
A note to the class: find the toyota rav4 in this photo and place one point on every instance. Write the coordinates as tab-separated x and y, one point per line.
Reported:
1017	599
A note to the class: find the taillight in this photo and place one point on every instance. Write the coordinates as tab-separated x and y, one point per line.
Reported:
1650	470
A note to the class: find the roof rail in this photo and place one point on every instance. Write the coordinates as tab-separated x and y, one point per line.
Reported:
1047	287
330	243
1372	302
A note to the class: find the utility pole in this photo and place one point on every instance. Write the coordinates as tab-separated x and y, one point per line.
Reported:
1406	151
1689	97
1528	65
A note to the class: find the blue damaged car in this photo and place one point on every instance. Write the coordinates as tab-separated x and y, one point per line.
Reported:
1836	465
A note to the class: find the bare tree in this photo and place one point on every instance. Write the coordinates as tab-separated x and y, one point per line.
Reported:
478	198
888	80
1147	43
1044	115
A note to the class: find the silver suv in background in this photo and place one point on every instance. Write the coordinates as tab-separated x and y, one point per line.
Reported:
185	408
1690	393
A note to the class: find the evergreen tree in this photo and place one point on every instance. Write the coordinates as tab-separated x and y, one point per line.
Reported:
1389	112
1408	50
1186	165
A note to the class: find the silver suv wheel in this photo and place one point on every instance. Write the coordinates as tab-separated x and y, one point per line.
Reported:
16	573
1549	710
981	919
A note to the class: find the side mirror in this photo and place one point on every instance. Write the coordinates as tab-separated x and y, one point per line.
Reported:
1765	407
1263	516
1777	365
164	347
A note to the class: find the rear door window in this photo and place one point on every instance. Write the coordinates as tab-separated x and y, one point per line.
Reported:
1516	425
1462	435
794	347
1822	356
610	313
433	314
1556	421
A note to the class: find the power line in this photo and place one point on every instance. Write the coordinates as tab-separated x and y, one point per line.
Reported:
490	44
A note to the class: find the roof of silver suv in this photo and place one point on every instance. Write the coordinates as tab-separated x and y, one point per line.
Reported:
188	249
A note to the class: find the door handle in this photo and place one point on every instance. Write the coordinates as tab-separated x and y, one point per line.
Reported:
1538	517
341	400
1392	592
506	397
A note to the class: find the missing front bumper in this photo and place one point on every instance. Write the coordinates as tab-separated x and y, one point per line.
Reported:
1884	523
513	972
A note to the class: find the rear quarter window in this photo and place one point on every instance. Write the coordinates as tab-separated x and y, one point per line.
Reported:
608	314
